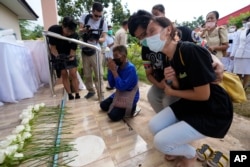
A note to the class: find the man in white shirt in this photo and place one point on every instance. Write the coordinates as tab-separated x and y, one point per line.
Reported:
94	29
121	35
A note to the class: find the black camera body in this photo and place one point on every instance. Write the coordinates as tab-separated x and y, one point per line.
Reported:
91	34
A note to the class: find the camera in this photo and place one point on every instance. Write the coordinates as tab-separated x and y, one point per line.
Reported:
91	34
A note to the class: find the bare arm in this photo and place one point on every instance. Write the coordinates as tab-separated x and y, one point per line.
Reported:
218	69
150	77
103	37
53	50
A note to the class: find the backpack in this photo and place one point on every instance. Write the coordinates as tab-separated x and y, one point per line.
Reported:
92	34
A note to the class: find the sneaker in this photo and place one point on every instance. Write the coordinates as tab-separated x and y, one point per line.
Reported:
77	96
109	88
137	111
89	95
71	97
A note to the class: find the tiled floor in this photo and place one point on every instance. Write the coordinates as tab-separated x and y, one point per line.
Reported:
126	143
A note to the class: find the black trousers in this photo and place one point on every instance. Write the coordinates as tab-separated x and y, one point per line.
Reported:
116	113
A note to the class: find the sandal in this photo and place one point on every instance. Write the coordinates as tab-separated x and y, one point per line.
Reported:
218	159
204	152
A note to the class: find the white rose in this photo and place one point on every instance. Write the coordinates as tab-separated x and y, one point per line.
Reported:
30	108
25	121
11	138
10	150
2	156
18	129
27	128
42	105
18	155
26	135
36	107
5	143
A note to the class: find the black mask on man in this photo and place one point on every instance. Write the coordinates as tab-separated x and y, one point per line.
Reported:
118	62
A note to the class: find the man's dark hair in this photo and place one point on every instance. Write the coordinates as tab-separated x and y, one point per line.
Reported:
125	22
159	7
97	6
121	49
69	22
141	19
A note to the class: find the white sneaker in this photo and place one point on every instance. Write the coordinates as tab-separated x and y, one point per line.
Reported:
137	111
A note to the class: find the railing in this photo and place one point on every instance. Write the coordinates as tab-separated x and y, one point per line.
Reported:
55	35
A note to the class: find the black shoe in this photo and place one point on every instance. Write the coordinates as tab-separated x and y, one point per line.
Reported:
109	88
89	95
71	97
77	96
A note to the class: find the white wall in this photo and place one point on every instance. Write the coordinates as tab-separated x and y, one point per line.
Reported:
8	20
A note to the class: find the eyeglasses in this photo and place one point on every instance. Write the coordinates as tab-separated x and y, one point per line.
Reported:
97	15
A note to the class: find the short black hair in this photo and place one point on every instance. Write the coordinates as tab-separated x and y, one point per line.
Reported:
121	49
141	19
97	6
159	7
125	22
69	22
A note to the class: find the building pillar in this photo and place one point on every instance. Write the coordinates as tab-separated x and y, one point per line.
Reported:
49	11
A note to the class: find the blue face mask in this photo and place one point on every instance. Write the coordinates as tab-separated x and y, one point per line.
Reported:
110	32
144	42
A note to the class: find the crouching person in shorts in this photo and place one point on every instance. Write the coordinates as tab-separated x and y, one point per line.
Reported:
64	54
123	77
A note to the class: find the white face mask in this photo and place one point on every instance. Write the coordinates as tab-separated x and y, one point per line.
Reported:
248	25
144	42
244	25
155	43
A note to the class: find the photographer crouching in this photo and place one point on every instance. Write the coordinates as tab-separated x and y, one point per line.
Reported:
64	54
93	29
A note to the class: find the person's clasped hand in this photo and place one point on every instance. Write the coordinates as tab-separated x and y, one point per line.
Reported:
111	65
170	77
218	69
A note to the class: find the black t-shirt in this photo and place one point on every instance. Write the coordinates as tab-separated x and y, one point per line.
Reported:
193	68
62	46
158	62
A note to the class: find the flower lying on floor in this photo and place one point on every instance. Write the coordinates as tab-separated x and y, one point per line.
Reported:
11	147
33	141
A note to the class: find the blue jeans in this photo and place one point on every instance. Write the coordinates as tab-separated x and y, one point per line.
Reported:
171	136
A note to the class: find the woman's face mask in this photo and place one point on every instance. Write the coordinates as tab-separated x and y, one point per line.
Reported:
210	25
155	43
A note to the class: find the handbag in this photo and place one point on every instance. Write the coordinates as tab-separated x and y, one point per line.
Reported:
233	86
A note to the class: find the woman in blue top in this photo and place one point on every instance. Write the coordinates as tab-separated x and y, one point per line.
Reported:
204	108
121	75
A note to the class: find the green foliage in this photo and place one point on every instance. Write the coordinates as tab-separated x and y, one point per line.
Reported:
193	24
27	32
238	20
76	8
118	14
134	55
